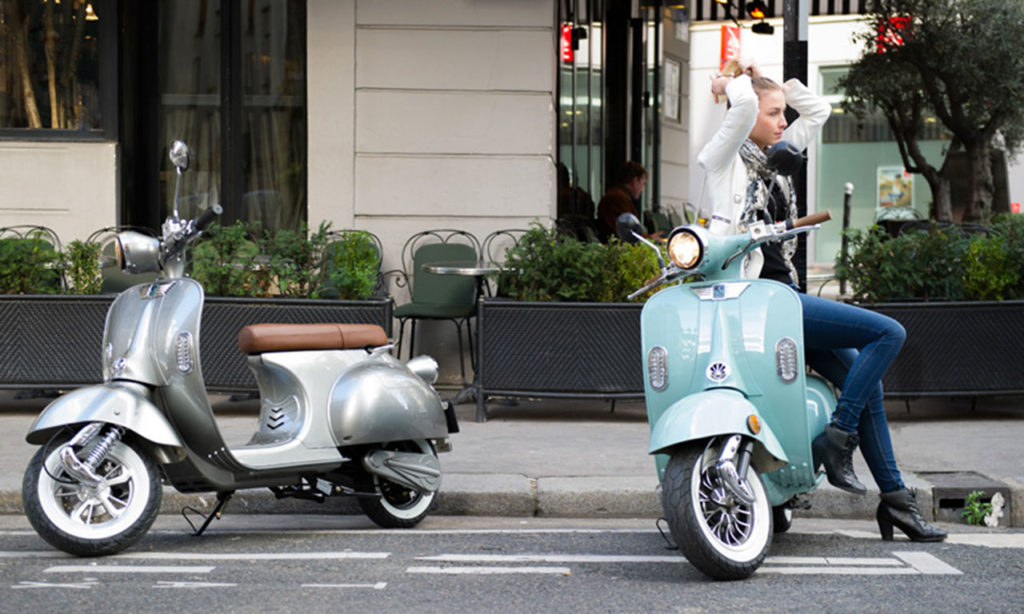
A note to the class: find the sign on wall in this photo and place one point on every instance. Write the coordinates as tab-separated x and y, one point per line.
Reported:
730	45
895	194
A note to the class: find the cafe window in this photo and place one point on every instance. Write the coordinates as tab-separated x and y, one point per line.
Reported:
58	69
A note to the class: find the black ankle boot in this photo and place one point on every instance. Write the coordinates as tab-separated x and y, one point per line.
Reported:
834	449
899	508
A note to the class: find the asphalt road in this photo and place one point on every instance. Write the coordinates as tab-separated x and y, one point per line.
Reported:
251	563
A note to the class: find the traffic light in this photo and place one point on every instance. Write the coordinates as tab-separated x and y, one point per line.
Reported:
758	10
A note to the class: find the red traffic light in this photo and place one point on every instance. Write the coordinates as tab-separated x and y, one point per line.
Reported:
757	9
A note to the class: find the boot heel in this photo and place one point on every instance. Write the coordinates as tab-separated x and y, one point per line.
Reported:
885	527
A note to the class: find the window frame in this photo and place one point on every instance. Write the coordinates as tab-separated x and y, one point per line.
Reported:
108	89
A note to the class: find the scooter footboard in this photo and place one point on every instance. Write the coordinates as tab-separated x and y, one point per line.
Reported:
711	413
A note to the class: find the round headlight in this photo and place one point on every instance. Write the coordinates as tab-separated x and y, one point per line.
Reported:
685	249
137	253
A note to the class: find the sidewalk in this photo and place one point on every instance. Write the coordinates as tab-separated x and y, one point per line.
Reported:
576	459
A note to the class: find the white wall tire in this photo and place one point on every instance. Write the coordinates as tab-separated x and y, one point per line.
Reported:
723	538
92	521
398	507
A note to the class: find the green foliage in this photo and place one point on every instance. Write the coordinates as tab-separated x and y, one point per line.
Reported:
223	261
989	272
917	265
548	266
29	265
349	266
974	509
293	258
82	267
935	264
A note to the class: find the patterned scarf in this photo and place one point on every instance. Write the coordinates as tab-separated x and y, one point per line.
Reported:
759	177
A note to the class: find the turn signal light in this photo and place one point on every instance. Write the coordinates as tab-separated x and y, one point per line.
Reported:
753	424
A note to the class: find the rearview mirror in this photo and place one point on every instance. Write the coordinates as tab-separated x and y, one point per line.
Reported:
179	155
784	158
627	227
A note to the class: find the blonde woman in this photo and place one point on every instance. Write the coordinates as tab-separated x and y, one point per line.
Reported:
849	346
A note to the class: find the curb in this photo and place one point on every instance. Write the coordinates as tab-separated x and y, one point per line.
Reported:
512	495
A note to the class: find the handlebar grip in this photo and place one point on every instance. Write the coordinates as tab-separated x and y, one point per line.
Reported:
812	219
208	216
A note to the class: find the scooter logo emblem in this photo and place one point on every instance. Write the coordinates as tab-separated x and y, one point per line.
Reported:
718	371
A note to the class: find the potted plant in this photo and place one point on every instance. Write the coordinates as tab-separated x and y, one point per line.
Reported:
958	291
561	325
249	276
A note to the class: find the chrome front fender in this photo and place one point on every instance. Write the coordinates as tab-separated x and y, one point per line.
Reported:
711	413
105	403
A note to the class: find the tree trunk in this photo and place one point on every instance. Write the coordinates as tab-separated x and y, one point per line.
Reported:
942	206
20	41
979	182
50	46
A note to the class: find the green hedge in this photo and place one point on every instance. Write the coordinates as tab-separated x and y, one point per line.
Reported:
940	263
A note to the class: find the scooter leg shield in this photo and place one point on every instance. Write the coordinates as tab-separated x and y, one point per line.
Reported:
105	403
711	413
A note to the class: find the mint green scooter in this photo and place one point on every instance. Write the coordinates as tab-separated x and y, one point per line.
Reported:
731	407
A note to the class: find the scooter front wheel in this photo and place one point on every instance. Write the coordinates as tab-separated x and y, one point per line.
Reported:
721	535
92	520
398	506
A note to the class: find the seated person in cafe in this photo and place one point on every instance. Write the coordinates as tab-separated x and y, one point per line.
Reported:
621	198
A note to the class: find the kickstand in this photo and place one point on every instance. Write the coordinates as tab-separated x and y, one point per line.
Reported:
671	545
222	499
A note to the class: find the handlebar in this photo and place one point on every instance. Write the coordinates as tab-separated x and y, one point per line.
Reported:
208	216
810	220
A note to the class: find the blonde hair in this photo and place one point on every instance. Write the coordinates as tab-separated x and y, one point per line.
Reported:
761	85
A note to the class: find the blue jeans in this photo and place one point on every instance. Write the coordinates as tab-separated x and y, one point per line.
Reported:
852	348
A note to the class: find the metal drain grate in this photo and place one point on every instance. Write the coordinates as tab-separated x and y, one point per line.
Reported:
950	490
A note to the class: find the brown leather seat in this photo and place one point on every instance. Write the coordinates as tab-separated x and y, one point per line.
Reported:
259	338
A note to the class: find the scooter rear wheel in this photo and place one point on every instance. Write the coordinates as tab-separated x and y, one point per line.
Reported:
719	534
92	521
398	506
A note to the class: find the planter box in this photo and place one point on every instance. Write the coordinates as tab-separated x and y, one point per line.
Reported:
572	350
957	348
51	341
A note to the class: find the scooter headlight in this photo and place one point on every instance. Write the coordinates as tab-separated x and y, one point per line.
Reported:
686	248
137	253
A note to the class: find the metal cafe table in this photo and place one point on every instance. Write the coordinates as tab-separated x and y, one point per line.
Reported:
480	272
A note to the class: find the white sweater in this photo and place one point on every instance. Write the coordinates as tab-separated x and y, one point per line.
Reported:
726	175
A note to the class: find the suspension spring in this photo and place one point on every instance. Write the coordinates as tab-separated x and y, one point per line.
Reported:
100	450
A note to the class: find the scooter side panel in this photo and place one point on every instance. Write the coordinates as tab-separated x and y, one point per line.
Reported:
383	402
104	403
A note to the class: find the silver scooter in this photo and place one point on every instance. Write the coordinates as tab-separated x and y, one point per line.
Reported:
339	415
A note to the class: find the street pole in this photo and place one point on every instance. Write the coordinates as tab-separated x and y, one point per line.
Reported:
794	66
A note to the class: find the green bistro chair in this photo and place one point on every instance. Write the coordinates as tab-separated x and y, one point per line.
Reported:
437	296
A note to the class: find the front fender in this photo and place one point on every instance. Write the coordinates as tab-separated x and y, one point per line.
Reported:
104	403
711	413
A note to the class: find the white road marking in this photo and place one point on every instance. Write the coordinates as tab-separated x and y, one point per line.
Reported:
564	571
840	571
251	556
828	560
129	569
552	558
30	584
173	584
205	556
928	564
377	586
919	563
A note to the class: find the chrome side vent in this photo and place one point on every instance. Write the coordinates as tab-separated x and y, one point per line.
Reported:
657	368
785	360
